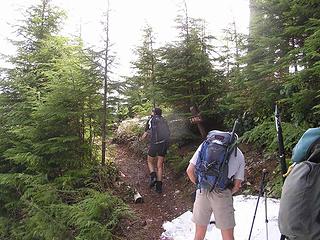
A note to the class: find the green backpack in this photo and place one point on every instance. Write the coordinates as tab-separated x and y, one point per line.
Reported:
299	212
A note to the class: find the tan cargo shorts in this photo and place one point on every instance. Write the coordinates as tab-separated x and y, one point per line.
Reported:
218	203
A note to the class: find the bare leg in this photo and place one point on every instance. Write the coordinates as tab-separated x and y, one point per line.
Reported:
160	168
150	161
227	234
200	232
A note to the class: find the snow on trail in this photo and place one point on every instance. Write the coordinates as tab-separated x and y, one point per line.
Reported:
182	228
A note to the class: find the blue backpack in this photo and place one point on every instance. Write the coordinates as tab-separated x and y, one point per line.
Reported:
212	163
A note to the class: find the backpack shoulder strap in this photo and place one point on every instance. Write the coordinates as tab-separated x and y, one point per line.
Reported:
201	152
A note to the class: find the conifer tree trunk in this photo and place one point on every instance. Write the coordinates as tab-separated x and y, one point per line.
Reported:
105	90
236	40
152	72
253	13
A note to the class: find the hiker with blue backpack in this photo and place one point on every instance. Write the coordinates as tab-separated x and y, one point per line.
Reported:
217	170
158	130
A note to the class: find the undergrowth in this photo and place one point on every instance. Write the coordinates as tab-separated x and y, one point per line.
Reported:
264	136
177	161
77	205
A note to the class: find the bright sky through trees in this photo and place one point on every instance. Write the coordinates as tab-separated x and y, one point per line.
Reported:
127	18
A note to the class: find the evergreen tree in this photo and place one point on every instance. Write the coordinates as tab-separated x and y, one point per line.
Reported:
25	83
62	135
230	60
186	75
106	78
47	98
50	186
267	45
281	63
302	87
141	88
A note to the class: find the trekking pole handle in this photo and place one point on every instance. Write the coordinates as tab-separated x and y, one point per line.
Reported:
234	130
264	174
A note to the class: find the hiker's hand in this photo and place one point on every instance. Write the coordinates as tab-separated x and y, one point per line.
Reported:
143	137
234	190
237	186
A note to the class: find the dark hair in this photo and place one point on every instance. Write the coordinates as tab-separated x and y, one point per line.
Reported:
157	111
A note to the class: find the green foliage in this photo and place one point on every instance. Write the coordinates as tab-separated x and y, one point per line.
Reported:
4	223
282	62
142	109
265	136
185	74
50	100
278	63
275	184
33	208
100	178
50	184
141	90
177	161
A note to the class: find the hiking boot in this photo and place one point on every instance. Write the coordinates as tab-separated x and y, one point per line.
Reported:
153	179
159	187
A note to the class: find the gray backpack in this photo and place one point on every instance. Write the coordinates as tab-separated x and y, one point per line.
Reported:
299	213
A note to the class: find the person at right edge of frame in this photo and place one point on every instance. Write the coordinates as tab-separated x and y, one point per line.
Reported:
220	203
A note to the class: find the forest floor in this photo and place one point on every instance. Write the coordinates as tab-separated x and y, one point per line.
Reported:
176	197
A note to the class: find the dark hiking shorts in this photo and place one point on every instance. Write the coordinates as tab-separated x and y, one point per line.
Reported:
159	149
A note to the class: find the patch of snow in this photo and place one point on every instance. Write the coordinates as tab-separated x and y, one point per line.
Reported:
182	228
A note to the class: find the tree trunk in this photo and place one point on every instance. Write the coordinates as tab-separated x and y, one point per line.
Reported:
105	90
197	119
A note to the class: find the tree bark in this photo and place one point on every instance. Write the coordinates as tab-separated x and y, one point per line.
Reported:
105	90
197	119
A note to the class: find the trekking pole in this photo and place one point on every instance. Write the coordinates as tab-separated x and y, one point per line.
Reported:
265	206
260	193
233	133
281	149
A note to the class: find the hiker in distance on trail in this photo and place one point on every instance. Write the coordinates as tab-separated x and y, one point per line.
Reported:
217	170
158	131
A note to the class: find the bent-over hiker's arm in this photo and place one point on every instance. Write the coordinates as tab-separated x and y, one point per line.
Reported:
146	132
191	172
236	186
144	135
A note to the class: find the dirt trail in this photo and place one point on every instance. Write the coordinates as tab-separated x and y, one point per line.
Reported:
156	208
176	196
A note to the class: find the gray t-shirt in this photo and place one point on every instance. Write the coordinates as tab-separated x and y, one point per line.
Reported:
236	163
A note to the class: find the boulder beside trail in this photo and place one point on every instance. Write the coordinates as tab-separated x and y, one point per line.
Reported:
130	130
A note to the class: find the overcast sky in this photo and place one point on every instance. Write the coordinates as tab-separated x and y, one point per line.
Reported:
127	19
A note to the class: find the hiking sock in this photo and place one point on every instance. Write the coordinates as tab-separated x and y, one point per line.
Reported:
153	179
159	187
